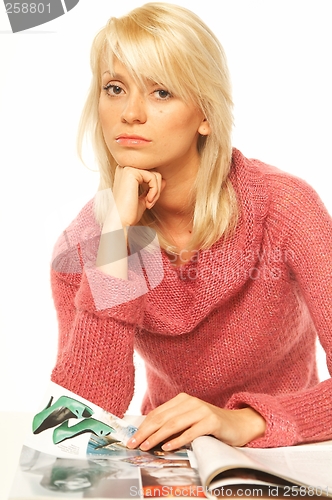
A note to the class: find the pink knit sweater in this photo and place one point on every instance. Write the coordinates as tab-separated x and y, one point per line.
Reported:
235	327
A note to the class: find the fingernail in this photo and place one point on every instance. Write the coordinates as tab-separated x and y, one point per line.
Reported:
166	446
145	445
131	443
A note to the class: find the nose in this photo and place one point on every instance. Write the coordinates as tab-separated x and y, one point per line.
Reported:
134	109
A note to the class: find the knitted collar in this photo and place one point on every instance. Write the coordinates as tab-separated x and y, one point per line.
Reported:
222	270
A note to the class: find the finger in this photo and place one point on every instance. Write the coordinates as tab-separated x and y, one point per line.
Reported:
171	403
157	418
187	436
155	184
160	415
170	423
154	188
149	189
191	419
149	428
210	424
154	194
161	182
153	180
174	426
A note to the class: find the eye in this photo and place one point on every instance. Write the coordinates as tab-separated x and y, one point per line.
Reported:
112	90
162	94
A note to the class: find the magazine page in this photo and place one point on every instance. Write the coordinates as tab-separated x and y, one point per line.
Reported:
111	471
66	425
77	450
214	456
308	465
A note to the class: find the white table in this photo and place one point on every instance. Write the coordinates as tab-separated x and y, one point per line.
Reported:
14	427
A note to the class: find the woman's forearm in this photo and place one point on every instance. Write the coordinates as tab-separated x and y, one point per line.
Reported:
112	256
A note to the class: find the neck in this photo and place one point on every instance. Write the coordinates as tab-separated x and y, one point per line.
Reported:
176	200
174	211
175	207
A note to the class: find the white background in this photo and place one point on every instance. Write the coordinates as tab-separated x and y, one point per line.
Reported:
279	53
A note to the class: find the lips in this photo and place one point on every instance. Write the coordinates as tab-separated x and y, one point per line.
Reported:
131	139
131	136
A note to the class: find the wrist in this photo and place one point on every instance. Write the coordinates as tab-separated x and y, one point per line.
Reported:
253	425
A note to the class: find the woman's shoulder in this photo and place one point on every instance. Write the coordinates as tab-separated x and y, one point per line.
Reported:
281	188
279	181
278	202
290	195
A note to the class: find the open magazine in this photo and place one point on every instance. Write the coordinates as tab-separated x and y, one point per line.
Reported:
77	450
303	470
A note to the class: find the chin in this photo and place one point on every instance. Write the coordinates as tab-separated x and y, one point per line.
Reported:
133	160
137	165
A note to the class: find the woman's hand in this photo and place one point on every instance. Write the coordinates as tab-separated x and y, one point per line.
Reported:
129	203
185	417
128	210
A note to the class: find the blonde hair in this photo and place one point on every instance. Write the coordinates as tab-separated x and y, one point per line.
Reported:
173	47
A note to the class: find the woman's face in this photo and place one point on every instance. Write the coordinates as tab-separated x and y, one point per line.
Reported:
148	128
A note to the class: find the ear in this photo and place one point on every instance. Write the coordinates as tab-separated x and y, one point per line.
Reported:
204	128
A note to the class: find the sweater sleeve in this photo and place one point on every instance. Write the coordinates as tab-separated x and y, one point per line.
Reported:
98	316
95	349
304	416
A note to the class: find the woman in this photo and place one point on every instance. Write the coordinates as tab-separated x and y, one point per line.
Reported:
226	311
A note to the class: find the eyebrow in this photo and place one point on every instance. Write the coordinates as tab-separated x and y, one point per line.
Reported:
121	78
116	76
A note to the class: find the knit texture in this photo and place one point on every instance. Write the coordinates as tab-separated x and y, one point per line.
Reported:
235	327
